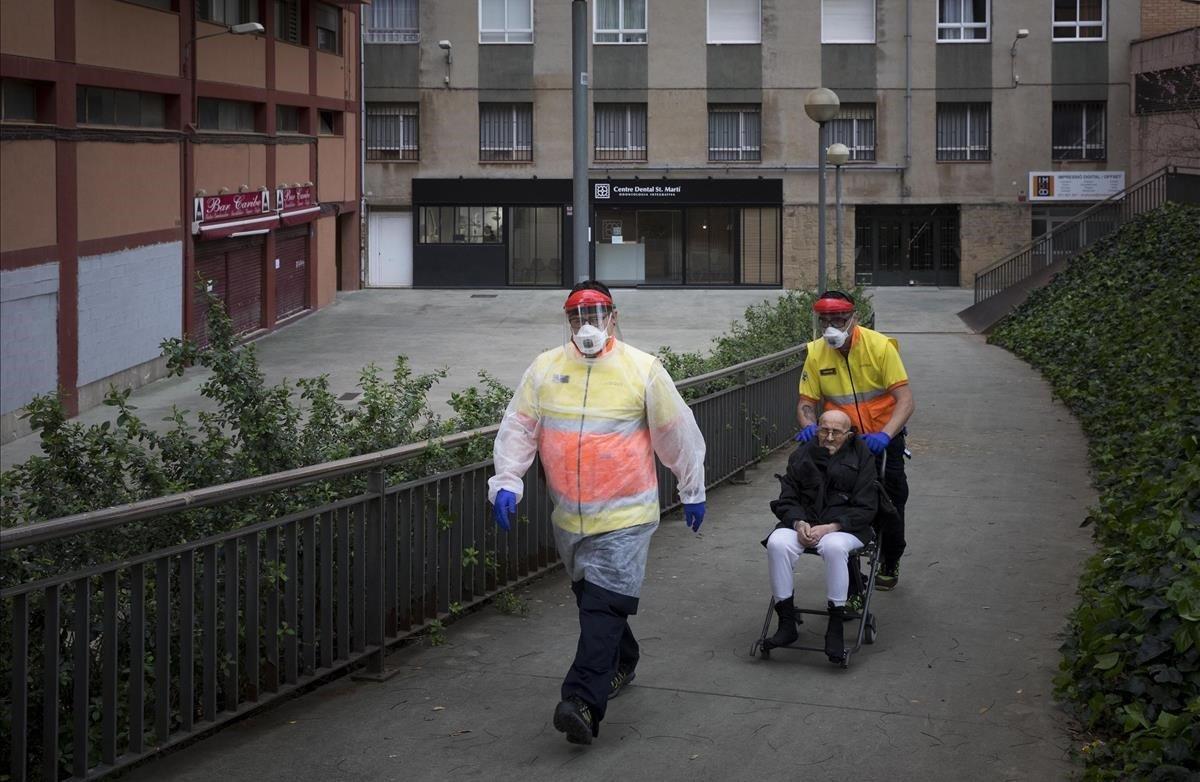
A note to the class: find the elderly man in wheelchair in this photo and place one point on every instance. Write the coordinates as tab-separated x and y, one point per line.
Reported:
828	499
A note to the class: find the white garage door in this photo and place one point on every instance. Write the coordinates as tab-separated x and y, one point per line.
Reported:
390	237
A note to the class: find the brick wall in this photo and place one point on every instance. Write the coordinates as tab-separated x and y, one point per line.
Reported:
29	323
800	233
129	302
988	232
1166	16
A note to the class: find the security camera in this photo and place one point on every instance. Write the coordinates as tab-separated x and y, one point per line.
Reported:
444	44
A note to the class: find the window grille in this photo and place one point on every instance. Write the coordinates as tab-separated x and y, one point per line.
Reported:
1079	19
734	133
619	21
620	131
963	20
505	132
392	131
1079	131
854	126
393	21
506	21
964	131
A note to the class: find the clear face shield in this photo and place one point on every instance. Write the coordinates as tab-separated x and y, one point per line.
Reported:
589	327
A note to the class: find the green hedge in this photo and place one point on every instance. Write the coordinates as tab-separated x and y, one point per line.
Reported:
1118	337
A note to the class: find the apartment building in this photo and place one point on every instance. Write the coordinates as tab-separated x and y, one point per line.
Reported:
971	124
154	150
1165	100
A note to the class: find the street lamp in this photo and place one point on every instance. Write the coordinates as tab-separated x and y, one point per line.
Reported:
821	105
838	154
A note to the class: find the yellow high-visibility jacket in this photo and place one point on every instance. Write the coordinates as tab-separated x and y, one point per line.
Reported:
597	424
860	384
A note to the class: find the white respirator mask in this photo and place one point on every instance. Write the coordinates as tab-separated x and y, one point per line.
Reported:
590	339
835	336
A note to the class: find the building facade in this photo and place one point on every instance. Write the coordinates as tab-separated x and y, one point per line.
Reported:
153	152
1165	100
972	126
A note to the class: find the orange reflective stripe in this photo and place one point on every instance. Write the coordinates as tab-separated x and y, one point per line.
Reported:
597	467
875	412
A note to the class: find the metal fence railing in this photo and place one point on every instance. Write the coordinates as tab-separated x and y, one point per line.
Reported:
119	661
1076	234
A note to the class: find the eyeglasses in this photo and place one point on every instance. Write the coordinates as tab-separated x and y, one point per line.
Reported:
832	433
837	321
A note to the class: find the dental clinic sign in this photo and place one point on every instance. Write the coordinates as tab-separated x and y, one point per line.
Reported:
1075	185
606	191
683	192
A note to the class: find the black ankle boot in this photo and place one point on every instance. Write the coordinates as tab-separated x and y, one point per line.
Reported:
786	633
835	642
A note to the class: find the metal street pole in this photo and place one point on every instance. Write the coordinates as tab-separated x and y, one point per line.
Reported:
821	208
838	223
579	172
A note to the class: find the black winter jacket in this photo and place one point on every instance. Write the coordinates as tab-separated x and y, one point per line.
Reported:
822	489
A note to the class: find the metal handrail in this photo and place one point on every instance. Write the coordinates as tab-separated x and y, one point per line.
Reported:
90	521
1070	225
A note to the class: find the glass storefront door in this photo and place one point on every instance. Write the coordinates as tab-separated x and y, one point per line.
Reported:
711	245
535	246
660	232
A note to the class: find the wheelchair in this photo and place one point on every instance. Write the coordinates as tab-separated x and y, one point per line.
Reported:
867	630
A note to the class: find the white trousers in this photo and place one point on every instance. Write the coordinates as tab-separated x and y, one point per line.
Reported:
783	549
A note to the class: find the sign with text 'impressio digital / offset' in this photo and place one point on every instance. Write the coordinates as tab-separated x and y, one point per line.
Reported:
1074	185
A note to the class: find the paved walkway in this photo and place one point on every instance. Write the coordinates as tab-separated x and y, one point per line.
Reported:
957	687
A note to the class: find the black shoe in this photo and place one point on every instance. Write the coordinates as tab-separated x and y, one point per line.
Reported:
574	718
786	633
888	577
622	677
835	642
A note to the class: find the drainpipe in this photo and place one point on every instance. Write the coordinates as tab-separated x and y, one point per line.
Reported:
363	260
904	190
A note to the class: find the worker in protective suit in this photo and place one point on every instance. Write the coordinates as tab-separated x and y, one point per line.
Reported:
597	411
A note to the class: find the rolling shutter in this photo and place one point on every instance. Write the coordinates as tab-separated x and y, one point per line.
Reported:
291	278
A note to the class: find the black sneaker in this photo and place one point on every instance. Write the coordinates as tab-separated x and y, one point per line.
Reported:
619	680
888	577
854	606
574	718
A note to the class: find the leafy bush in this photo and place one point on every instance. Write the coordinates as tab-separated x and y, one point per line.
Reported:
767	328
1117	335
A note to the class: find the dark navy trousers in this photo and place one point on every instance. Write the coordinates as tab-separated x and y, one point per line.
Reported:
895	483
605	643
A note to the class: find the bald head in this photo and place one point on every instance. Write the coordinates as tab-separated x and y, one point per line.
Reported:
832	430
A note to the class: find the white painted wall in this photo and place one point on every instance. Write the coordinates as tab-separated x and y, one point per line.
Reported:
28	334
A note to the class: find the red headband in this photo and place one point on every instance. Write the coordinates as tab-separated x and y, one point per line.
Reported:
585	297
832	306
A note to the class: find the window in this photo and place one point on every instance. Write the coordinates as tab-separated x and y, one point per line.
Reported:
162	5
287	119
535	245
505	132
393	21
1078	19
760	246
1078	132
461	225
734	133
103	106
506	21
847	21
619	21
227	12
226	115
330	122
1170	89
329	28
854	126
963	20
620	131
964	131
287	21
18	101
392	131
734	21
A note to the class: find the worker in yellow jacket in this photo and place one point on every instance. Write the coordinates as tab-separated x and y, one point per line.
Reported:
858	371
597	411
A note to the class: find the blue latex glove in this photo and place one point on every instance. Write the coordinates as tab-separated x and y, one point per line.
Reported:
693	515
807	433
505	508
878	442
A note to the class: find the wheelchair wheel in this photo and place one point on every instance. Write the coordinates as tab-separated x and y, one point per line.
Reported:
870	632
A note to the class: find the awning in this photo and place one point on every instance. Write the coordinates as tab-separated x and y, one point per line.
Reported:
227	228
300	216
